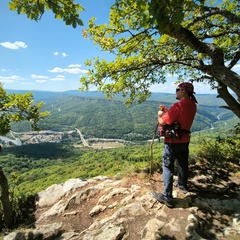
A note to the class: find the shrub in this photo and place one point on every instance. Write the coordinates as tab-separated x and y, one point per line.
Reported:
221	150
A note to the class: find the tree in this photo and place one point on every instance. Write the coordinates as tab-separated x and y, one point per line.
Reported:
19	107
6	203
15	108
196	40
65	10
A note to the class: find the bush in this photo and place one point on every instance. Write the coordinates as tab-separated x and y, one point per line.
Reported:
222	150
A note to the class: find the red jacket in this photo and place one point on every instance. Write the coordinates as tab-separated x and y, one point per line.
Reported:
182	112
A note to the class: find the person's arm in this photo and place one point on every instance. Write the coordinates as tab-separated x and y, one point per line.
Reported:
168	116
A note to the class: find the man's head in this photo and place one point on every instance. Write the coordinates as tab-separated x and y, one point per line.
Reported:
187	86
185	89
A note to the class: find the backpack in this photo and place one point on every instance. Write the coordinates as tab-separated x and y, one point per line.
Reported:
170	131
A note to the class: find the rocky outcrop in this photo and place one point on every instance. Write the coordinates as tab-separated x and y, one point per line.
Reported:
108	209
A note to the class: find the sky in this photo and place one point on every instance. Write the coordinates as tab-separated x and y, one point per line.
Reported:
49	56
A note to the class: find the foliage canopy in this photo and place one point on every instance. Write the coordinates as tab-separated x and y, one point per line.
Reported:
17	108
65	10
195	40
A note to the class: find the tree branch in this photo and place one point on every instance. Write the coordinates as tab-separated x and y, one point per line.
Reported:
186	36
223	92
235	59
215	11
223	12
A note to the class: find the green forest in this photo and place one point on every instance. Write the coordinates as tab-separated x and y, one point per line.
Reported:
32	168
99	117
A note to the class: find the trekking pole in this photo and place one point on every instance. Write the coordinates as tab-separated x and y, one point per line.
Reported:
151	150
163	109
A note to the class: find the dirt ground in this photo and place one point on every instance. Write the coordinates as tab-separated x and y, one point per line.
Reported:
104	145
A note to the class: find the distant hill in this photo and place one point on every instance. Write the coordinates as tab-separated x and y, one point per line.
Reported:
203	99
97	116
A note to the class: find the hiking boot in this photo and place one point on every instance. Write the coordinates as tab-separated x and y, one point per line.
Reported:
163	199
175	184
181	187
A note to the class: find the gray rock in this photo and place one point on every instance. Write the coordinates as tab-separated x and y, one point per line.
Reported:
151	229
105	209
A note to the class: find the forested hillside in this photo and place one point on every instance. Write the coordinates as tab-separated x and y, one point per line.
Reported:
97	116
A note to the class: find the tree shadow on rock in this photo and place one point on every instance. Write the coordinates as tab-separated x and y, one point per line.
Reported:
25	212
166	237
212	180
212	225
215	187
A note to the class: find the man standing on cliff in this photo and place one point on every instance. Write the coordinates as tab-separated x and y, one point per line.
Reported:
177	147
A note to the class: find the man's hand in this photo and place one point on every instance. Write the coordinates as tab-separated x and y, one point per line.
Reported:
160	113
162	110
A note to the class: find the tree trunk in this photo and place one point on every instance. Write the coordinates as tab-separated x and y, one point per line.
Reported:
7	206
222	75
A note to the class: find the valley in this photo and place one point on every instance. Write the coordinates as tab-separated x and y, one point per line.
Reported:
98	117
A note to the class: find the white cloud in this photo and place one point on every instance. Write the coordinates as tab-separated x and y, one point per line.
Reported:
34	76
15	45
41	81
75	71
3	70
58	78
27	83
64	54
159	88
10	79
56	69
68	70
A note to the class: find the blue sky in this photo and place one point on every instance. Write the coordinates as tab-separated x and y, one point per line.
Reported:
48	55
